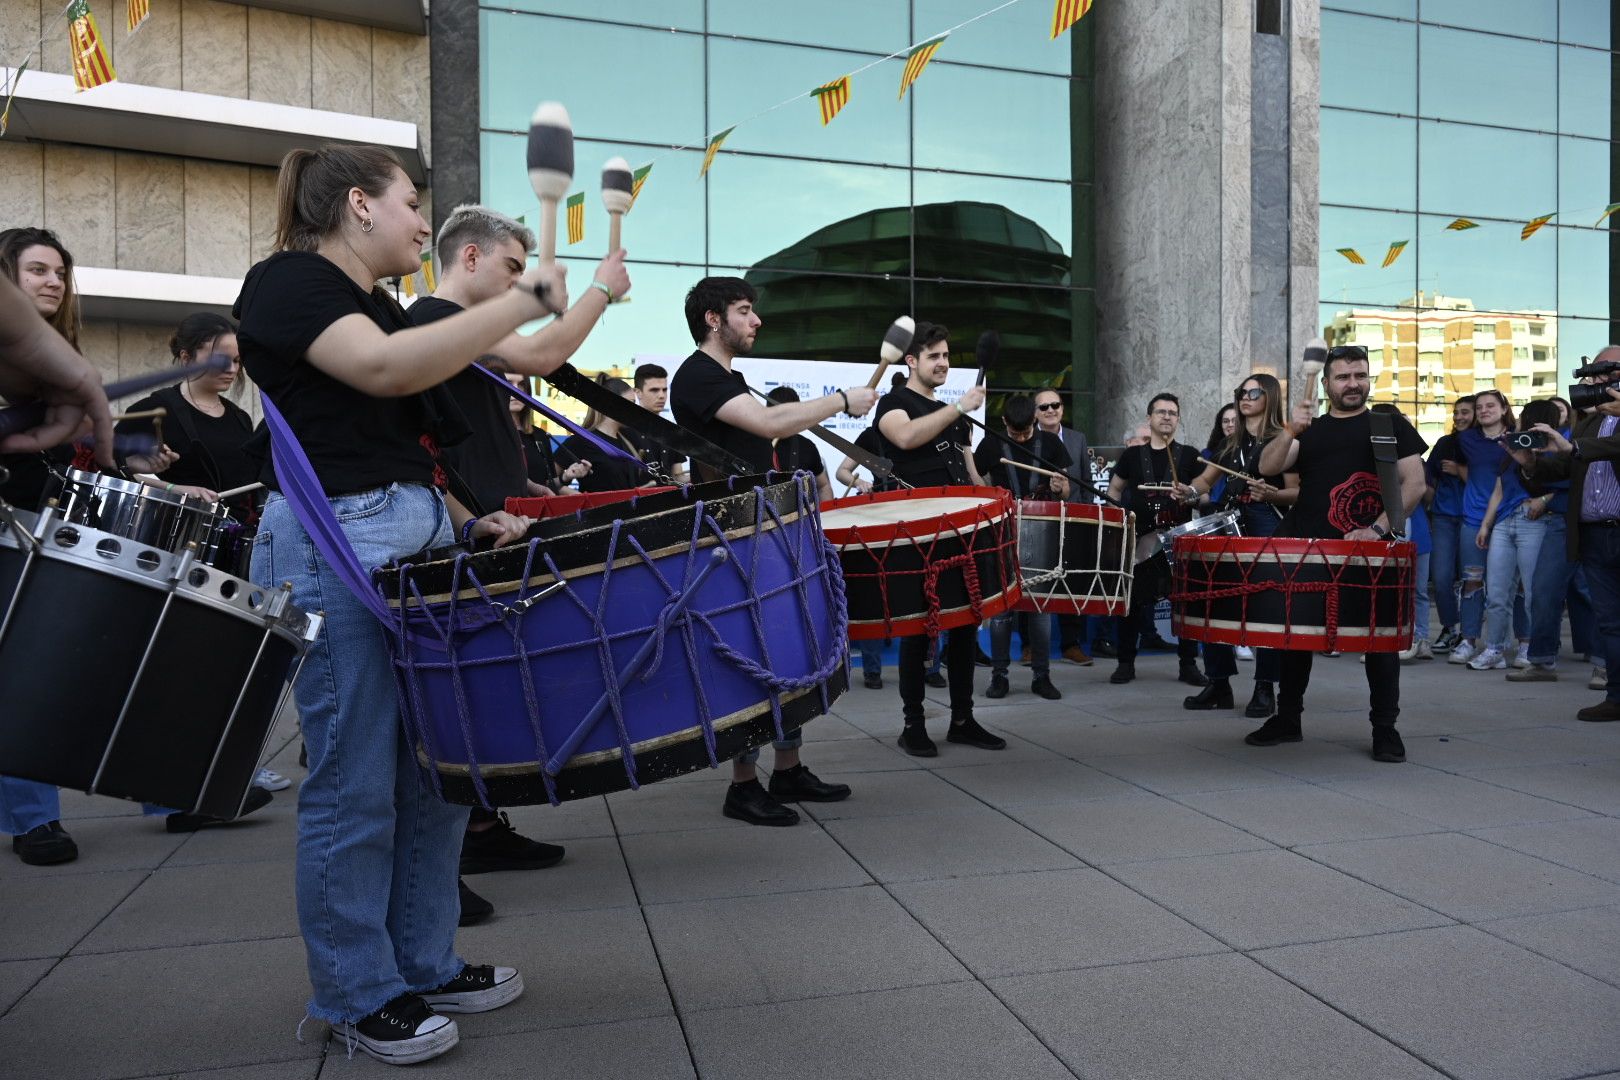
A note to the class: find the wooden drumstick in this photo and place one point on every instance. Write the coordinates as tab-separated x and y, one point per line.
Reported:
616	187
1231	472
145	414
1034	469
893	349
243	490
551	169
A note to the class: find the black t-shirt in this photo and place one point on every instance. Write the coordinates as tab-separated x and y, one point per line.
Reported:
798	452
698	390
30	482
537	457
355	441
1044	450
486	468
213	449
1245	458
608	472
935	463
1148	505
651	451
1338	478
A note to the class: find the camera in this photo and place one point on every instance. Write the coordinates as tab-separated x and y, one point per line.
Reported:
1528	440
1589	395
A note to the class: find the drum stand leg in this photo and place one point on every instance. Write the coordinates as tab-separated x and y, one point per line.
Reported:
34	543
670	613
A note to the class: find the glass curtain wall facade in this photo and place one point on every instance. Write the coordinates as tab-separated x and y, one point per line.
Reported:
1439	115
966	203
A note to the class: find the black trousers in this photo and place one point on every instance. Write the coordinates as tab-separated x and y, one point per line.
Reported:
959	648
1139	622
1383	686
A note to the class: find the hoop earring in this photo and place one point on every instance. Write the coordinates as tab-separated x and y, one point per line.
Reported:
365	226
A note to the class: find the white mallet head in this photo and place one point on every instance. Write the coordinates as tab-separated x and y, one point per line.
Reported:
1315	355
551	151
616	185
898	339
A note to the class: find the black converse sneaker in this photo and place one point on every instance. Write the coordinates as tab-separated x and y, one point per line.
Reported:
476	989
402	1032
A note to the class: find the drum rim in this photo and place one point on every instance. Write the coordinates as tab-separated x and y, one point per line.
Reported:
102	481
1196	528
1397	550
844	535
1057	510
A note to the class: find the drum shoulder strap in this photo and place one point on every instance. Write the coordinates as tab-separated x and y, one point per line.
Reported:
1389	480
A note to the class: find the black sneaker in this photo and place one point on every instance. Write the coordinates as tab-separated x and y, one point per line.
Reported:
1124	673
799	784
914	740
402	1032
1189	674
936	679
1274	731
1217	695
750	802
45	845
998	687
1387	745
1104	648
474	908
968	732
872	679
1043	687
477	989
499	847
257	799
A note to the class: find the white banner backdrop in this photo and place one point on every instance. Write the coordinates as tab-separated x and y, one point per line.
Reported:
818	378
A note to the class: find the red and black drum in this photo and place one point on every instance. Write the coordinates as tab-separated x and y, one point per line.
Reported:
1075	558
1287	593
923	560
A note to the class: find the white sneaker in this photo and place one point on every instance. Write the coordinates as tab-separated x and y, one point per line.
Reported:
271	780
1599	679
1489	660
1522	659
1418	650
1245	653
1463	653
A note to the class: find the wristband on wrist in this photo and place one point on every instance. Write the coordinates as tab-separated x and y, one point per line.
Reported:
467	528
1379	531
595	284
846	400
959	408
168	487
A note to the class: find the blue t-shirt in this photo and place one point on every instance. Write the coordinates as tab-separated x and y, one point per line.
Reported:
1448	489
1484	457
1417	530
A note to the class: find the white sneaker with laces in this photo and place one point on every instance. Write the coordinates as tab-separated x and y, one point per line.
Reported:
1489	660
1522	659
1418	650
1599	679
271	780
1462	653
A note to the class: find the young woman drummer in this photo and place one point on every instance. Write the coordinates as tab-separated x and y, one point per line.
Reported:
1261	504
377	851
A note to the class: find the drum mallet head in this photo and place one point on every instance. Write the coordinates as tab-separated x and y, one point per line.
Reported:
551	151
616	185
986	353
898	339
1315	354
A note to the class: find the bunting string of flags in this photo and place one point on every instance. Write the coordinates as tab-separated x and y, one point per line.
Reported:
1394	252
1353	255
916	60
713	149
832	98
576	217
1065	13
135	13
91	65
638	178
1462	224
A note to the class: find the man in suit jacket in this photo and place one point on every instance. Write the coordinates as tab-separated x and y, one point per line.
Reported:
1049	418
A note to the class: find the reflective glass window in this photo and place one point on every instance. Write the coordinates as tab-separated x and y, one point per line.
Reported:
1490	266
746	77
978	120
1037	327
1367	160
1016	37
808	214
878	26
1487	78
1369	233
962	219
1526	18
1369	63
1586	282
825	317
1577	338
681	14
1493	172
652	326
1586	22
1585	92
1585	184
1398	9
654	95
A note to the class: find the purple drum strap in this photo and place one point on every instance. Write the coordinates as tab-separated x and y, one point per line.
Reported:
552	414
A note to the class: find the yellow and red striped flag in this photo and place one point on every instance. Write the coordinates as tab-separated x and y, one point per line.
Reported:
916	60
1065	13
135	13
1607	210
11	95
1461	224
427	271
708	155
1394	252
638	178
91	67
1353	255
1534	225
832	98
576	217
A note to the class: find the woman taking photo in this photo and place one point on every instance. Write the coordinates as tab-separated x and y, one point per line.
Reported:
358	387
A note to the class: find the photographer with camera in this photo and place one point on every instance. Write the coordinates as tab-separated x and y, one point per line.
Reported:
1593	516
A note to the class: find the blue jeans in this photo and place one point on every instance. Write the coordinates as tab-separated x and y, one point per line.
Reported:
27	804
1511	562
1036	631
1420	620
871	650
1445	564
1600	559
1552	582
378	852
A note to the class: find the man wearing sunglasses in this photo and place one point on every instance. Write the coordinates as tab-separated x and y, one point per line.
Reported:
1049	418
1340	499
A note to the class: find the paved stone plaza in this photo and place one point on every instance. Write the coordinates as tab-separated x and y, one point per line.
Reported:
1126	891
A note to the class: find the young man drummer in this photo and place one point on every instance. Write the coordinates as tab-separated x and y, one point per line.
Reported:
928	443
1340	499
708	397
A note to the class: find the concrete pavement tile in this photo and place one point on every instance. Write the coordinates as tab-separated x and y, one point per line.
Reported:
297	1069
105	843
834	760
1590	845
1318	760
650	1049
1473	1005
77	806
17	977
672	867
1196	1018
1456	802
1554	744
917	792
1085	737
953	843
1587	940
1133	827
180	1001
1593	786
1304	814
956	1030
954	755
272	833
1257	899
721	953
592	875
1465	877
566	821
196	905
47	916
578	967
1188	769
1015	924
670	808
831	729
1015	783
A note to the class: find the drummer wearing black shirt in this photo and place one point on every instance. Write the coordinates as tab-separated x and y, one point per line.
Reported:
1340	499
797	453
928	443
709	398
1160	463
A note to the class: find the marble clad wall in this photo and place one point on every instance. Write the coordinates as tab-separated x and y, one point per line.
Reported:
1304	173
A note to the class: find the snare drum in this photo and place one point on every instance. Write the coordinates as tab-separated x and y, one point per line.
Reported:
158	519
1155	550
926	559
1074	558
134	671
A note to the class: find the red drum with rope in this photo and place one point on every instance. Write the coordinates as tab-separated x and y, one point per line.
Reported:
925	559
1075	558
1288	593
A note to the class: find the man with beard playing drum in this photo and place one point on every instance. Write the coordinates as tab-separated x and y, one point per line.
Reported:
1340	498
